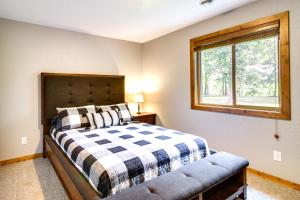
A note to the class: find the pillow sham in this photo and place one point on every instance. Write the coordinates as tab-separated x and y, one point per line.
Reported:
123	111
103	119
74	117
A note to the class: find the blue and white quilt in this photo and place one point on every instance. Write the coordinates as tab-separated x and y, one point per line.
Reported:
118	157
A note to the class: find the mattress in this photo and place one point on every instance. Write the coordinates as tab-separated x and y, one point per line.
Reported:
115	158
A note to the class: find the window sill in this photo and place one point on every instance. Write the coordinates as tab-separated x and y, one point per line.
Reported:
243	111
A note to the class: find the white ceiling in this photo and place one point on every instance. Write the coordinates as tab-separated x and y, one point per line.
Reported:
133	20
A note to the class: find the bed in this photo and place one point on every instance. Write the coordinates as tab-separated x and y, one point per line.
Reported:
115	158
85	159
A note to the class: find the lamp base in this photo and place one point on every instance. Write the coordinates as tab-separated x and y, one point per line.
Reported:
139	109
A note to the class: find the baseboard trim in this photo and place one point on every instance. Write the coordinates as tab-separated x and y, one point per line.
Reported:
20	159
275	179
270	177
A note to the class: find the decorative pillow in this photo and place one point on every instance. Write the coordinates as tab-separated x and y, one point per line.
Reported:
123	111
74	117
103	119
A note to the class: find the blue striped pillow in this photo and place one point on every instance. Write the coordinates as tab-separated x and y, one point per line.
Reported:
103	119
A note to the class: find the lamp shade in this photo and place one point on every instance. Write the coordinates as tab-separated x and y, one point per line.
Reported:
139	98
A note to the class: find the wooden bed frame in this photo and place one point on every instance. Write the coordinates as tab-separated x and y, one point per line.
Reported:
69	90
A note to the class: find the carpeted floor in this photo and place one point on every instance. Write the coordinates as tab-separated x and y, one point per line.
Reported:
36	179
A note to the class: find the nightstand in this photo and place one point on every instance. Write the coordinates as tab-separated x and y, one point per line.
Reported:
145	117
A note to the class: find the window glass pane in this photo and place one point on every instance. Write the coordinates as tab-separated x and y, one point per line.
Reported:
216	76
257	72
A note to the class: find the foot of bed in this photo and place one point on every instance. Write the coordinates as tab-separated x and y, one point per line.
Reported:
45	154
44	149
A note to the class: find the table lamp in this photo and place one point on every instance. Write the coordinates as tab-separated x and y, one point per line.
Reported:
139	98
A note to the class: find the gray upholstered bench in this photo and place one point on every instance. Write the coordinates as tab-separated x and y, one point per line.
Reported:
219	176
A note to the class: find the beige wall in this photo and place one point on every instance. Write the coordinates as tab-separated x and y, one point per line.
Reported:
166	66
27	50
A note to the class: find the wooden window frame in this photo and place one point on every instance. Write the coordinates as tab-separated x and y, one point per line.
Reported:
278	22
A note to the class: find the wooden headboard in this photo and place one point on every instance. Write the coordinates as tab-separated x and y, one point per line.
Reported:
69	90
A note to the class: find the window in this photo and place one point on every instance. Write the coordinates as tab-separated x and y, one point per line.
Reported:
243	70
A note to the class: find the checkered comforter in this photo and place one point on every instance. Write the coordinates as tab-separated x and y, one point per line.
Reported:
115	158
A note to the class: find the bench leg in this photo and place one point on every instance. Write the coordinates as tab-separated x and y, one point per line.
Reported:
198	197
243	195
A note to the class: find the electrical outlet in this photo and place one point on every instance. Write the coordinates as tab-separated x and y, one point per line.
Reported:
277	156
24	140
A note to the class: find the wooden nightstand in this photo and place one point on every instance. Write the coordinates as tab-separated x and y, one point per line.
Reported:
145	117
